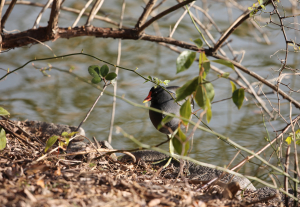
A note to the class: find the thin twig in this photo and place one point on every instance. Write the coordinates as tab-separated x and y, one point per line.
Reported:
37	21
116	82
94	11
1	8
179	20
269	144
81	12
145	13
160	15
77	11
87	115
7	13
286	180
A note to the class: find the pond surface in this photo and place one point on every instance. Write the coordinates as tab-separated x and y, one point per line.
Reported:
63	98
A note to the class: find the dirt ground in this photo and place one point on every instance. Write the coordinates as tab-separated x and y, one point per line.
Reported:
31	177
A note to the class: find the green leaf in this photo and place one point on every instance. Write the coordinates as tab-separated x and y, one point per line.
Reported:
186	111
224	62
50	142
2	139
198	43
64	134
67	141
94	70
104	70
224	75
208	111
233	86
111	76
210	91
71	134
185	60
165	120
3	112
187	89
178	140
96	80
289	140
204	65
204	92
238	97
200	97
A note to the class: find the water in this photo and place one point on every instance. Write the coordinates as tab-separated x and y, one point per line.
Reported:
64	99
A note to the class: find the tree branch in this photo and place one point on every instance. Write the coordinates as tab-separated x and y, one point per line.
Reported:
94	11
7	13
52	26
261	79
233	27
160	15
145	13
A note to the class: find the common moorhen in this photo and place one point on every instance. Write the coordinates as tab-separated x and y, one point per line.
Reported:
162	100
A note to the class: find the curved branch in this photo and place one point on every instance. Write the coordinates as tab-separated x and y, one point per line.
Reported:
234	26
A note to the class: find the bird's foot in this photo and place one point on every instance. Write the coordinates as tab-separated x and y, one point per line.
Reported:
168	162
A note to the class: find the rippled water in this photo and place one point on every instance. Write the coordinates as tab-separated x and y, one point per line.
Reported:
62	98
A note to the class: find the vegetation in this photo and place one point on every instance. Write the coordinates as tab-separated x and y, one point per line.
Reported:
271	27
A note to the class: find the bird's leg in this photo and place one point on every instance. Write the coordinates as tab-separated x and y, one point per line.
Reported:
171	151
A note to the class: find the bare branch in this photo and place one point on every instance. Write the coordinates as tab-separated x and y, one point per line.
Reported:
116	83
268	145
37	21
52	26
261	79
145	13
94	11
233	27
1	8
106	19
160	15
81	12
7	13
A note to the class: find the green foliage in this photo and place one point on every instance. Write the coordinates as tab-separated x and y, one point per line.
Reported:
204	65
94	71
165	120
104	71
255	7
198	42
289	139
63	144
99	74
224	75
208	111
186	111
178	141
233	86
111	76
204	95
3	112
185	60
187	89
238	97
2	139
157	81
50	142
224	62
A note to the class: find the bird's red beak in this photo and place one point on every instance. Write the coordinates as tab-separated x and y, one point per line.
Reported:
148	98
